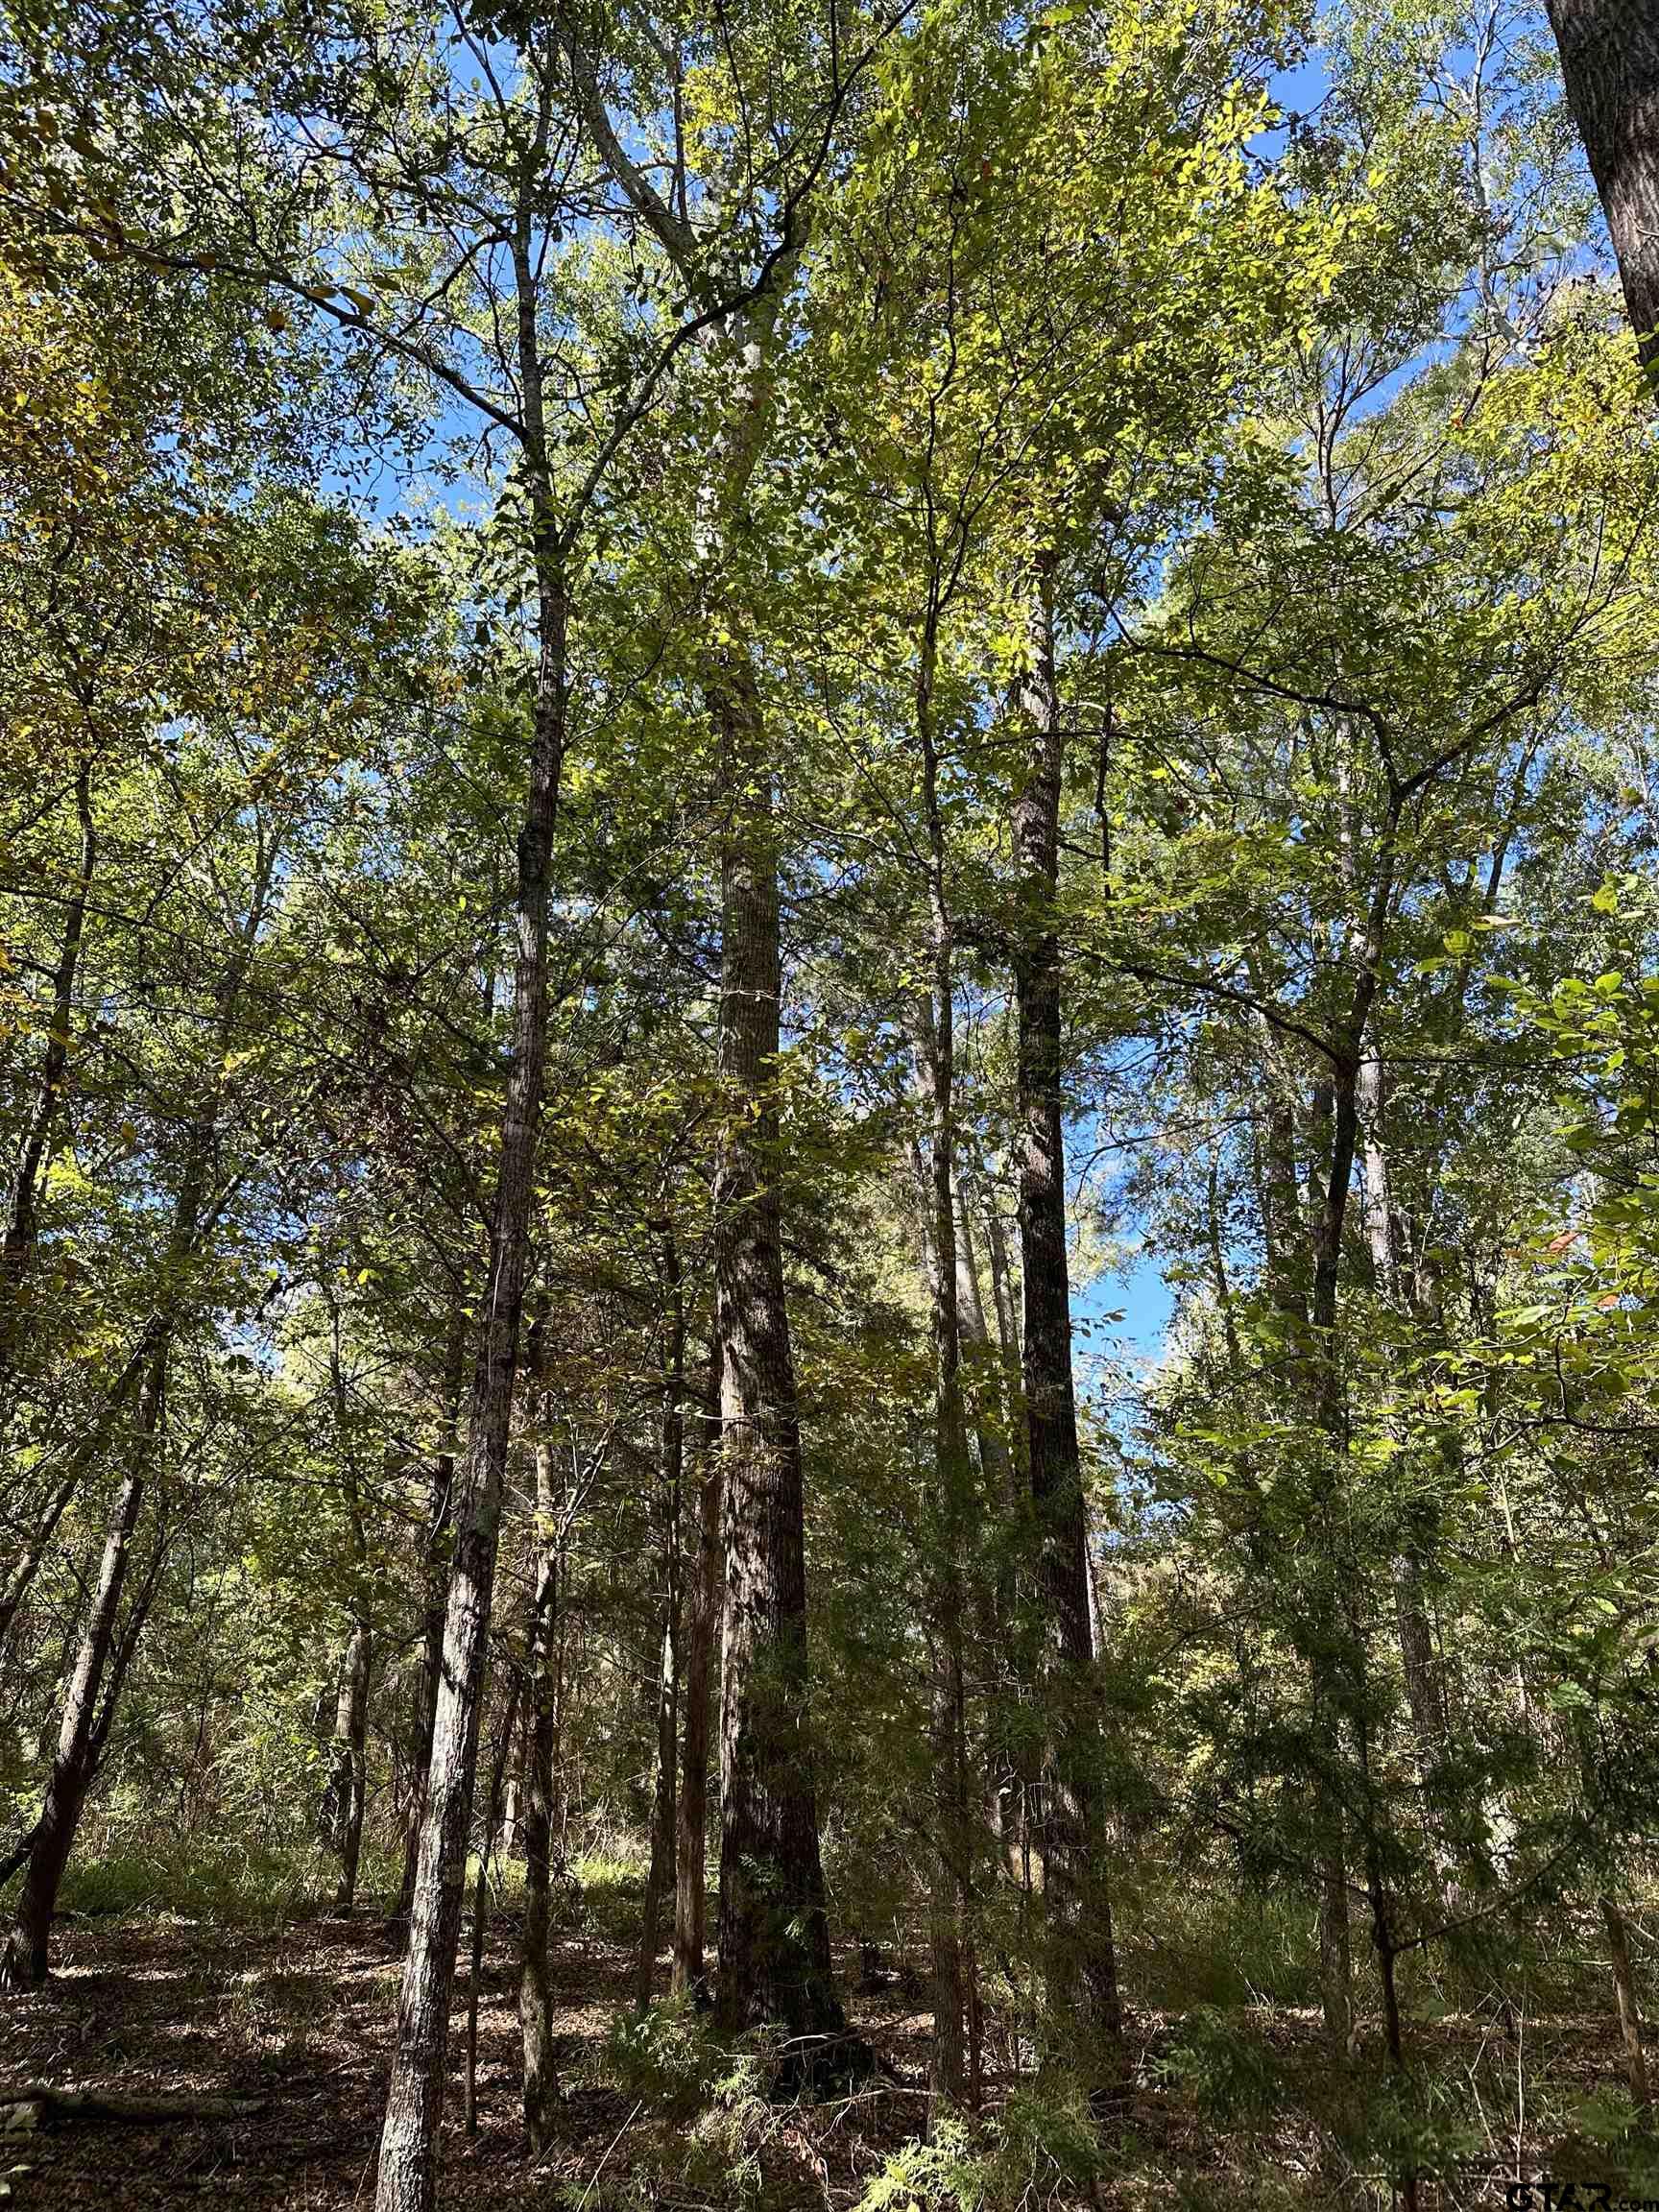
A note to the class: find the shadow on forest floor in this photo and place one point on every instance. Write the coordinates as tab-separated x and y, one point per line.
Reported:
163	2008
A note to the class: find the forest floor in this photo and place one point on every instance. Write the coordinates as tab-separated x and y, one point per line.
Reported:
294	2020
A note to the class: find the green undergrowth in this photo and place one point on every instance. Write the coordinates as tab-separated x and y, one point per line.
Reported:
238	1887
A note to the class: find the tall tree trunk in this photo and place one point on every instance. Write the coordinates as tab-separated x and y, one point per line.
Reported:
937	1069
700	1620
481	1902
435	1580
990	1432
81	1731
774	1930
541	2085
1425	1693
407	2180
21	1243
1610	63
659	1880
349	1776
18	1251
106	1649
348	1779
1082	1958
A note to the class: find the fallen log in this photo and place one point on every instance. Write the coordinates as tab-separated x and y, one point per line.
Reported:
31	2110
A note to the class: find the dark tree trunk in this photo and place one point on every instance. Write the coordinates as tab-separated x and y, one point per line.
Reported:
774	1932
481	1904
659	1880
702	1619
348	1779
348	1775
950	1501
1610	63
414	2094
1082	1958
83	1727
17	1253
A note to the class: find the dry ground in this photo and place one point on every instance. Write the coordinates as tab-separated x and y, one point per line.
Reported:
299	2018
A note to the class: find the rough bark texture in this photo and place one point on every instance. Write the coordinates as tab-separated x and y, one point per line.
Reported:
774	1932
702	1617
1610	63
659	1880
1082	1961
415	2095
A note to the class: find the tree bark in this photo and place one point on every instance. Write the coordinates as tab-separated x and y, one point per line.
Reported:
1610	63
436	1584
414	2094
541	2084
1082	1959
349	1776
702	1619
773	1931
659	1880
937	1071
347	1780
481	1904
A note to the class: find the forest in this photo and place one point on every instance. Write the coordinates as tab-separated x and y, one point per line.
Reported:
828	1104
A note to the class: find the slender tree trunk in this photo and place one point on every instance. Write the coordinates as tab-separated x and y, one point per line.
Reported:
1082	1958
660	1881
348	1779
26	1960
437	1581
1624	1990
541	2084
1610	63
1002	1298
415	2095
702	1619
995	1461
773	1931
106	1650
21	1242
936	1066
90	1450
481	1904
